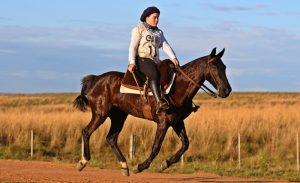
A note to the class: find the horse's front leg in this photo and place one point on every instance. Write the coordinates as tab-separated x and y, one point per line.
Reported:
159	137
179	128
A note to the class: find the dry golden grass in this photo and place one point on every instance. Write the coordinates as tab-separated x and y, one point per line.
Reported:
268	124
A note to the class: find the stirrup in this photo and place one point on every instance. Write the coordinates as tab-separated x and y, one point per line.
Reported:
165	101
162	106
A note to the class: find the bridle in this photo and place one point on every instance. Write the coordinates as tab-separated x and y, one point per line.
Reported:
209	71
203	87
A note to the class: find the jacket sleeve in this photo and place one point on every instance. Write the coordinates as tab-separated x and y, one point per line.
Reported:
167	48
134	43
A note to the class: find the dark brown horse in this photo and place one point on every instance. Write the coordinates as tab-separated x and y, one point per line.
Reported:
102	95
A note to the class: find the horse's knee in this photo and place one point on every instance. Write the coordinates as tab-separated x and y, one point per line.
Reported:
185	144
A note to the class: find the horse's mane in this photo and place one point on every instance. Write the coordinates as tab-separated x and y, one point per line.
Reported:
190	66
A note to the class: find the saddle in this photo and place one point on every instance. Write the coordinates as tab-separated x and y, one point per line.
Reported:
139	83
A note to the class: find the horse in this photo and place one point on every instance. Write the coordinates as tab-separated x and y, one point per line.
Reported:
102	94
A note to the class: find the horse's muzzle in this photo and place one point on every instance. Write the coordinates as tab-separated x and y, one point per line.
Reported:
224	92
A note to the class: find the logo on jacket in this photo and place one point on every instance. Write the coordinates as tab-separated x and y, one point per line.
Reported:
153	40
149	38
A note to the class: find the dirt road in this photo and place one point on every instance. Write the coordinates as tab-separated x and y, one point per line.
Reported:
36	171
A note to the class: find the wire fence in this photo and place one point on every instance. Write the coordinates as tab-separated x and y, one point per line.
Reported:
133	147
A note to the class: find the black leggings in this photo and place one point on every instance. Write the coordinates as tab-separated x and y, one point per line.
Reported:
148	67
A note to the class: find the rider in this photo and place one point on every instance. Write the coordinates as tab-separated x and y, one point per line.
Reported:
146	39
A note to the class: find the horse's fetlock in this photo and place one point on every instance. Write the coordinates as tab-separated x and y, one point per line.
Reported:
109	141
88	158
123	164
165	164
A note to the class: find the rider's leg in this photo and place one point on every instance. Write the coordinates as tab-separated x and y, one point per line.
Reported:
149	68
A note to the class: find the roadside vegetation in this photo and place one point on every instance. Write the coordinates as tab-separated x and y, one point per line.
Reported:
268	124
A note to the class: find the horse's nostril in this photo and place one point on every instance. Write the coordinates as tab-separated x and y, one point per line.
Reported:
226	90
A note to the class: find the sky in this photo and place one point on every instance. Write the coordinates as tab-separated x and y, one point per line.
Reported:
49	46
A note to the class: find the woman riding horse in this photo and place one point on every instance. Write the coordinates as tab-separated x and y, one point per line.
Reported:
146	39
102	94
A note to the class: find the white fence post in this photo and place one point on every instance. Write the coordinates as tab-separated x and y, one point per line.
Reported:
297	147
82	147
239	150
182	160
31	144
132	147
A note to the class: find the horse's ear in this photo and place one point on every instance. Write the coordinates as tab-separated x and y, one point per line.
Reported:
213	52
221	53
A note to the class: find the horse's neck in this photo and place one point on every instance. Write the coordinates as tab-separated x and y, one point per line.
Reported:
196	71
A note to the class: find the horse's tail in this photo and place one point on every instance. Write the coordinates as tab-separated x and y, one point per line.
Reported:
81	101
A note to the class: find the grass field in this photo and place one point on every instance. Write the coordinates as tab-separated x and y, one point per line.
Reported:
267	122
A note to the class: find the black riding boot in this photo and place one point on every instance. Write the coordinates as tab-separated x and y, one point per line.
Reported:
161	104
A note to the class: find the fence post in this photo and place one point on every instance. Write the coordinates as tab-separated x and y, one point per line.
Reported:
182	160
31	144
132	146
82	147
297	147
239	150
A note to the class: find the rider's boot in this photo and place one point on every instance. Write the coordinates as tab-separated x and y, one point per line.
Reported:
161	104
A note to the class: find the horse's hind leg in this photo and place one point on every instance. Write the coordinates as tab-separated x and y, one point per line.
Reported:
95	122
179	128
118	118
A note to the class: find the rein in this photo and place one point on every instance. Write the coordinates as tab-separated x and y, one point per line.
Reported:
137	84
208	92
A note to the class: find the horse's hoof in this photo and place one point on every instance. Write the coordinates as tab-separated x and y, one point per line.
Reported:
81	164
136	169
125	171
164	165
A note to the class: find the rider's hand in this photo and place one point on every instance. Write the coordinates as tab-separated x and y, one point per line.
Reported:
131	67
175	62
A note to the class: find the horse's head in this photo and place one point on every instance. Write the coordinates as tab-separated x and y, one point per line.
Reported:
216	73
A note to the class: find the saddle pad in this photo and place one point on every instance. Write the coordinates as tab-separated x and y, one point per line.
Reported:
125	89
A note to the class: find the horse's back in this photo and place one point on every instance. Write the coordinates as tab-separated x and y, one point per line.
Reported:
94	85
116	74
110	77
